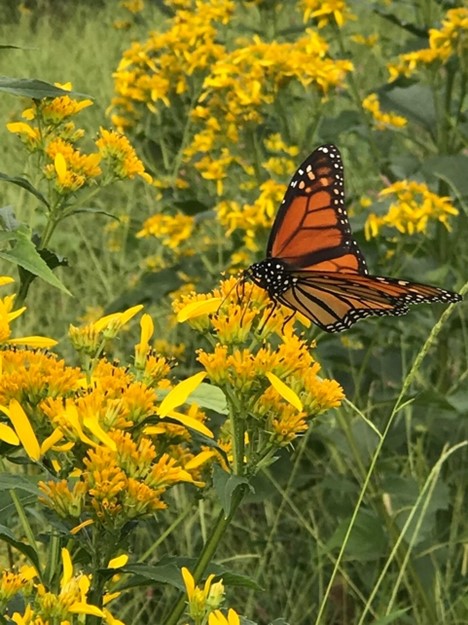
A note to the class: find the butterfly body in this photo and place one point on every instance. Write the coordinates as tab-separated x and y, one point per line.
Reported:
313	264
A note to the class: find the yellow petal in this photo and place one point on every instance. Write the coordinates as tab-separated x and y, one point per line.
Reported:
24	430
60	165
7	434
40	342
22	128
147	328
6	280
188	581
198	460
118	562
131	312
85	608
190	422
283	389
51	440
79	527
195	309
179	393
94	427
233	617
67	567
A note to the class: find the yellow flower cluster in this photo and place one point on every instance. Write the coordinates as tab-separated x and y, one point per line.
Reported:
451	39
49	605
382	120
275	387
162	66
50	132
96	427
172	231
243	83
412	209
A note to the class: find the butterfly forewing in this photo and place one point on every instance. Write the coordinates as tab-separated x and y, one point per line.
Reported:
312	228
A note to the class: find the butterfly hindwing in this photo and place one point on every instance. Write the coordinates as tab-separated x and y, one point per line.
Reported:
335	302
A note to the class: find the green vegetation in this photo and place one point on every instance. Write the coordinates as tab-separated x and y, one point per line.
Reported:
180	456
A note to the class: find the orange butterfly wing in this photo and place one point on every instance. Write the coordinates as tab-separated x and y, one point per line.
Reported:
313	264
335	301
312	230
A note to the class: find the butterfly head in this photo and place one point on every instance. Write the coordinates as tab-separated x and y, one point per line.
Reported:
271	274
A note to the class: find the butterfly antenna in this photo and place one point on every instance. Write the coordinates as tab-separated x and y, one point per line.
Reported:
228	294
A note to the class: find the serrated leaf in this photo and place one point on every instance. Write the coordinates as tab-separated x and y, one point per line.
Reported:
26	256
225	485
7	536
36	89
24	184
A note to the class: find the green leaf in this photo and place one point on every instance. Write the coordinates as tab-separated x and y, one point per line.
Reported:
368	539
25	254
210	397
225	485
8	221
35	89
9	481
414	101
451	169
7	536
25	184
145	574
167	571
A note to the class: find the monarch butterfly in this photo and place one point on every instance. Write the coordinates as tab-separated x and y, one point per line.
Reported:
314	266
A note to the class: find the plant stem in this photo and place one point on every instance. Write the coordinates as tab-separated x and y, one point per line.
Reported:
208	551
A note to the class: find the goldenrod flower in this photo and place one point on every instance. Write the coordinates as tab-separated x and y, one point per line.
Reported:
123	161
450	39
382	120
70	167
201	601
171	230
327	11
413	208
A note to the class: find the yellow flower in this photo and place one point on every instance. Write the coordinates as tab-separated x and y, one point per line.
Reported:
412	210
173	231
116	149
450	39
12	582
71	169
218	618
382	120
89	338
202	600
327	11
7	314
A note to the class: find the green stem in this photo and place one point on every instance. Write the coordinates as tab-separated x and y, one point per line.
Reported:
208	551
24	521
